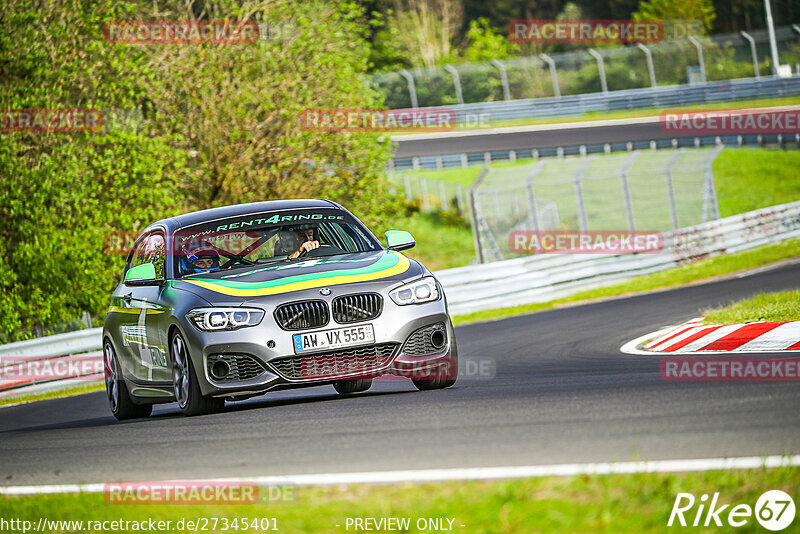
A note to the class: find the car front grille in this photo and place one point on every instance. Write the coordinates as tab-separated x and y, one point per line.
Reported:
242	366
419	342
302	315
339	362
355	308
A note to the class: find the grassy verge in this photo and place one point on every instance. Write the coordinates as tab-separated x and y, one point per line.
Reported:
607	503
89	388
677	276
780	306
441	243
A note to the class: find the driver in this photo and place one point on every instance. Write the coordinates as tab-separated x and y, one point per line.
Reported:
200	259
305	238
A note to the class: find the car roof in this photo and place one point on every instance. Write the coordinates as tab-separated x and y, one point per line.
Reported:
195	217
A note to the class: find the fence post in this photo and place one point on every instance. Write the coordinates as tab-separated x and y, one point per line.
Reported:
626	193
456	81
407	184
752	42
473	214
673	210
553	74
579	194
443	196
534	214
426	201
601	67
460	198
710	190
699	47
412	88
650	68
503	78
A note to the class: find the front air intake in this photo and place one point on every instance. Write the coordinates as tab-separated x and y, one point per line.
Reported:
355	308
302	315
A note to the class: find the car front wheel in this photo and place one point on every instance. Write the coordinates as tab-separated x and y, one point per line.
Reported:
185	385
440	377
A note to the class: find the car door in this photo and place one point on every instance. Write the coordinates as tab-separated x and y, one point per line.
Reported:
144	345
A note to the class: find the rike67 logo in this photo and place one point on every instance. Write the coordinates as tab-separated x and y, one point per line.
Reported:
774	510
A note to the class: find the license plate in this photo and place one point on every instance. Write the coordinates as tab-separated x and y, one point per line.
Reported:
333	339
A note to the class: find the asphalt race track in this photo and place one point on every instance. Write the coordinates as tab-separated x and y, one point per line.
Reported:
544	138
562	393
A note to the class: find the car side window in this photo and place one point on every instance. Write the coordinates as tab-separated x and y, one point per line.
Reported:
151	249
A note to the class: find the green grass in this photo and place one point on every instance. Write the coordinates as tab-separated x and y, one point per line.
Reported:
439	245
16	399
780	306
750	178
600	503
676	276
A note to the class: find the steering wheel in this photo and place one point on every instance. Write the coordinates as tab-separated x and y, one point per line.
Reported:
305	253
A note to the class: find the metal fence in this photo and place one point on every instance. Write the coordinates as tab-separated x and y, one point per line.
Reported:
681	61
429	192
644	190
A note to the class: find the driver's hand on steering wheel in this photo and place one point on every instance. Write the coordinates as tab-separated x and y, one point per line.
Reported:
305	247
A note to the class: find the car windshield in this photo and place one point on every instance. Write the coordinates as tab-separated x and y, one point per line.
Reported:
256	239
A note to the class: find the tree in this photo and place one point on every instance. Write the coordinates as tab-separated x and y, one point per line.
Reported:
677	10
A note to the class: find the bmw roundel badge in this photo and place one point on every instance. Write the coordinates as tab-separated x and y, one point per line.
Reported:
324	291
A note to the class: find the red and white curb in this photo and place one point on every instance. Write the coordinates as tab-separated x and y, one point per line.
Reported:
694	337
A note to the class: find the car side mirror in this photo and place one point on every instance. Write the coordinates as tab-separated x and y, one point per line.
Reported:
399	240
142	275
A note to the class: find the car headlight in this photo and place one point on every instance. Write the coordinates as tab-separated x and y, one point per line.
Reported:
424	290
212	319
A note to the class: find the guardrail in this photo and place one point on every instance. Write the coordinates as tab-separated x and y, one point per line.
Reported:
627	99
544	277
53	362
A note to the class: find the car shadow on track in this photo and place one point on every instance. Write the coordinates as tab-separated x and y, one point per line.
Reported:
170	411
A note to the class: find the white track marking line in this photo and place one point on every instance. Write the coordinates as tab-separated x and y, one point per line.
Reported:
469	473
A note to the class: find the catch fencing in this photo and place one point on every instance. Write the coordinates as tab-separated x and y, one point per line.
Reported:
641	190
544	277
566	77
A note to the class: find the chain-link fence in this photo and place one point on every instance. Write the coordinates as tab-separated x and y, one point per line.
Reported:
642	190
615	68
431	194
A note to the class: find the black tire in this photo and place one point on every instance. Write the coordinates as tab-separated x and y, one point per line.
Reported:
190	399
119	398
346	387
443	376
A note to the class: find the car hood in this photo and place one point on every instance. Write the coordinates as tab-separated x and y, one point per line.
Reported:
285	277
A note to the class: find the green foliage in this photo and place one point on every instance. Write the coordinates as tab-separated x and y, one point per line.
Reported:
699	10
484	44
214	124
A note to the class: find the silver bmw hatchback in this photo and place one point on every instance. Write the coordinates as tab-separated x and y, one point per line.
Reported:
232	302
